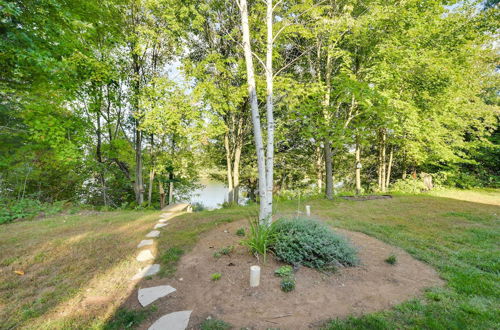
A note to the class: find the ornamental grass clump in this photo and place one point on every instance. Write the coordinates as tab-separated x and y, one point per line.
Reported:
311	243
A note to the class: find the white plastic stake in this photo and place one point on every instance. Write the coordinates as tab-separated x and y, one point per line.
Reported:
308	210
254	276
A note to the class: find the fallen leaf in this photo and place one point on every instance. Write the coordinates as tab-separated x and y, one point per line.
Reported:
19	272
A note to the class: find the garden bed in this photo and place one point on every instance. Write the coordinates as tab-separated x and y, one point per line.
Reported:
372	286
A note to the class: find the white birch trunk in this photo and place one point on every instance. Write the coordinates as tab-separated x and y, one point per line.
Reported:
252	93
269	112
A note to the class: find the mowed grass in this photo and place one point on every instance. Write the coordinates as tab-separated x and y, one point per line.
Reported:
460	239
69	264
77	267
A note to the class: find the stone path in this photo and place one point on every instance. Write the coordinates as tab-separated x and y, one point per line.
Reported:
147	271
148	295
153	234
145	242
173	321
145	255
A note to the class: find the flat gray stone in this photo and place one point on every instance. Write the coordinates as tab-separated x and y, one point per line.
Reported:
148	295
172	321
145	242
145	255
154	233
147	271
160	225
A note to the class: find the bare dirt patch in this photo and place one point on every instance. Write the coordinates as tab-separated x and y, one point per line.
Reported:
372	286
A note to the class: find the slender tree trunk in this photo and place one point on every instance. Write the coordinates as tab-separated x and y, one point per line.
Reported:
327	143
151	172
252	93
162	194
171	188
99	160
150	188
229	170
269	110
358	166
382	160
319	168
139	190
389	168
236	174
328	169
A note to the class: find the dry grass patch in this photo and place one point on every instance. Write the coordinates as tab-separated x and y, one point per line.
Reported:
76	268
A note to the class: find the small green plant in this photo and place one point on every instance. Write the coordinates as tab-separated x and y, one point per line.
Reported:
224	251
260	238
240	232
213	324
392	259
284	271
215	276
287	284
217	254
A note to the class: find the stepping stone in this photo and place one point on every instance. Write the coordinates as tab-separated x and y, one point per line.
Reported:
148	295
172	321
160	225
154	233
145	255
145	242
147	271
162	220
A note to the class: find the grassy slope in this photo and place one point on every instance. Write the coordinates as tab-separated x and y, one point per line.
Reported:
458	238
62	257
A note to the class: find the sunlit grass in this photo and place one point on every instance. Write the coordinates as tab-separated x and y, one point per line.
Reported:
77	267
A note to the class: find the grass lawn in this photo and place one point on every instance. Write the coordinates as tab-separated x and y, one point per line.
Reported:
77	266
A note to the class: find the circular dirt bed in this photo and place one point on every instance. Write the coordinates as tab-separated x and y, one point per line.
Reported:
374	285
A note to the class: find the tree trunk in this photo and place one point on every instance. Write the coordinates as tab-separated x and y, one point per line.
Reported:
139	190
252	93
229	171
150	188
389	168
236	174
99	160
171	189
358	166
151	172
269	110
319	168
382	159
327	115
329	169
162	194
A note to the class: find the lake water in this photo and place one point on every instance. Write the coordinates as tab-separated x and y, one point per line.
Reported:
212	195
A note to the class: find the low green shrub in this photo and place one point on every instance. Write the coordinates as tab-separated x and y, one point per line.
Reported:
26	208
409	186
284	271
312	244
240	232
392	260
287	284
198	207
224	251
